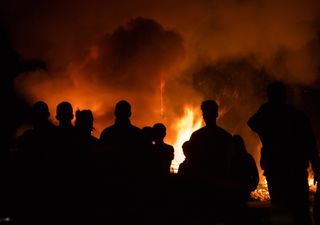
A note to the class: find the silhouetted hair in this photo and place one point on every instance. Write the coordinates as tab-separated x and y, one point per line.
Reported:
277	92
84	119
122	109
40	110
209	107
64	111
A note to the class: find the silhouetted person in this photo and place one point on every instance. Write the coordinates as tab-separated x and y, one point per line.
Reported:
208	161
35	141
66	136
64	163
164	155
84	127
86	174
183	167
288	145
33	150
123	148
164	151
244	169
210	147
65	115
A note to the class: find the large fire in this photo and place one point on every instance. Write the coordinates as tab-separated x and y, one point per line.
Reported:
191	121
184	127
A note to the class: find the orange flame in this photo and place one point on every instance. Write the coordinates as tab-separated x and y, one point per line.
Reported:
184	127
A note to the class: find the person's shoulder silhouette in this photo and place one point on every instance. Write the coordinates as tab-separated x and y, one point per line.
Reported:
122	123
244	169
40	116
84	126
288	146
123	140
41	129
165	152
210	146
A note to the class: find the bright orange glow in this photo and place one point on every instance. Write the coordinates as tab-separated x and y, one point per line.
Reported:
189	122
262	192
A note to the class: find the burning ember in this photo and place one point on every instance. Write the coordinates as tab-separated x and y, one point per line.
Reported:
262	192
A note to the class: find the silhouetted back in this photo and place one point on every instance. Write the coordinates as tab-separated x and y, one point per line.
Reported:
285	133
210	147
87	143
244	170
33	163
35	143
165	152
122	144
288	145
66	131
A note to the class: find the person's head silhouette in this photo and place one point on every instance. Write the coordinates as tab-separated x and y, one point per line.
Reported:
277	92
159	132
84	121
209	112
122	110
40	113
64	114
40	110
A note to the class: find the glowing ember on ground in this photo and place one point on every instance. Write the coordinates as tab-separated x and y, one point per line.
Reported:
262	192
189	122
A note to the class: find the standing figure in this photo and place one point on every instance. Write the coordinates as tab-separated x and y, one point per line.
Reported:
209	163
33	148
164	151
123	160
64	164
288	145
244	169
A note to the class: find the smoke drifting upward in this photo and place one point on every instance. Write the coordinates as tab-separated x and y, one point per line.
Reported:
128	64
103	51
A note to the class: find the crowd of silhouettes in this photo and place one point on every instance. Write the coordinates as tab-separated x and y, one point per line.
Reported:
64	175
